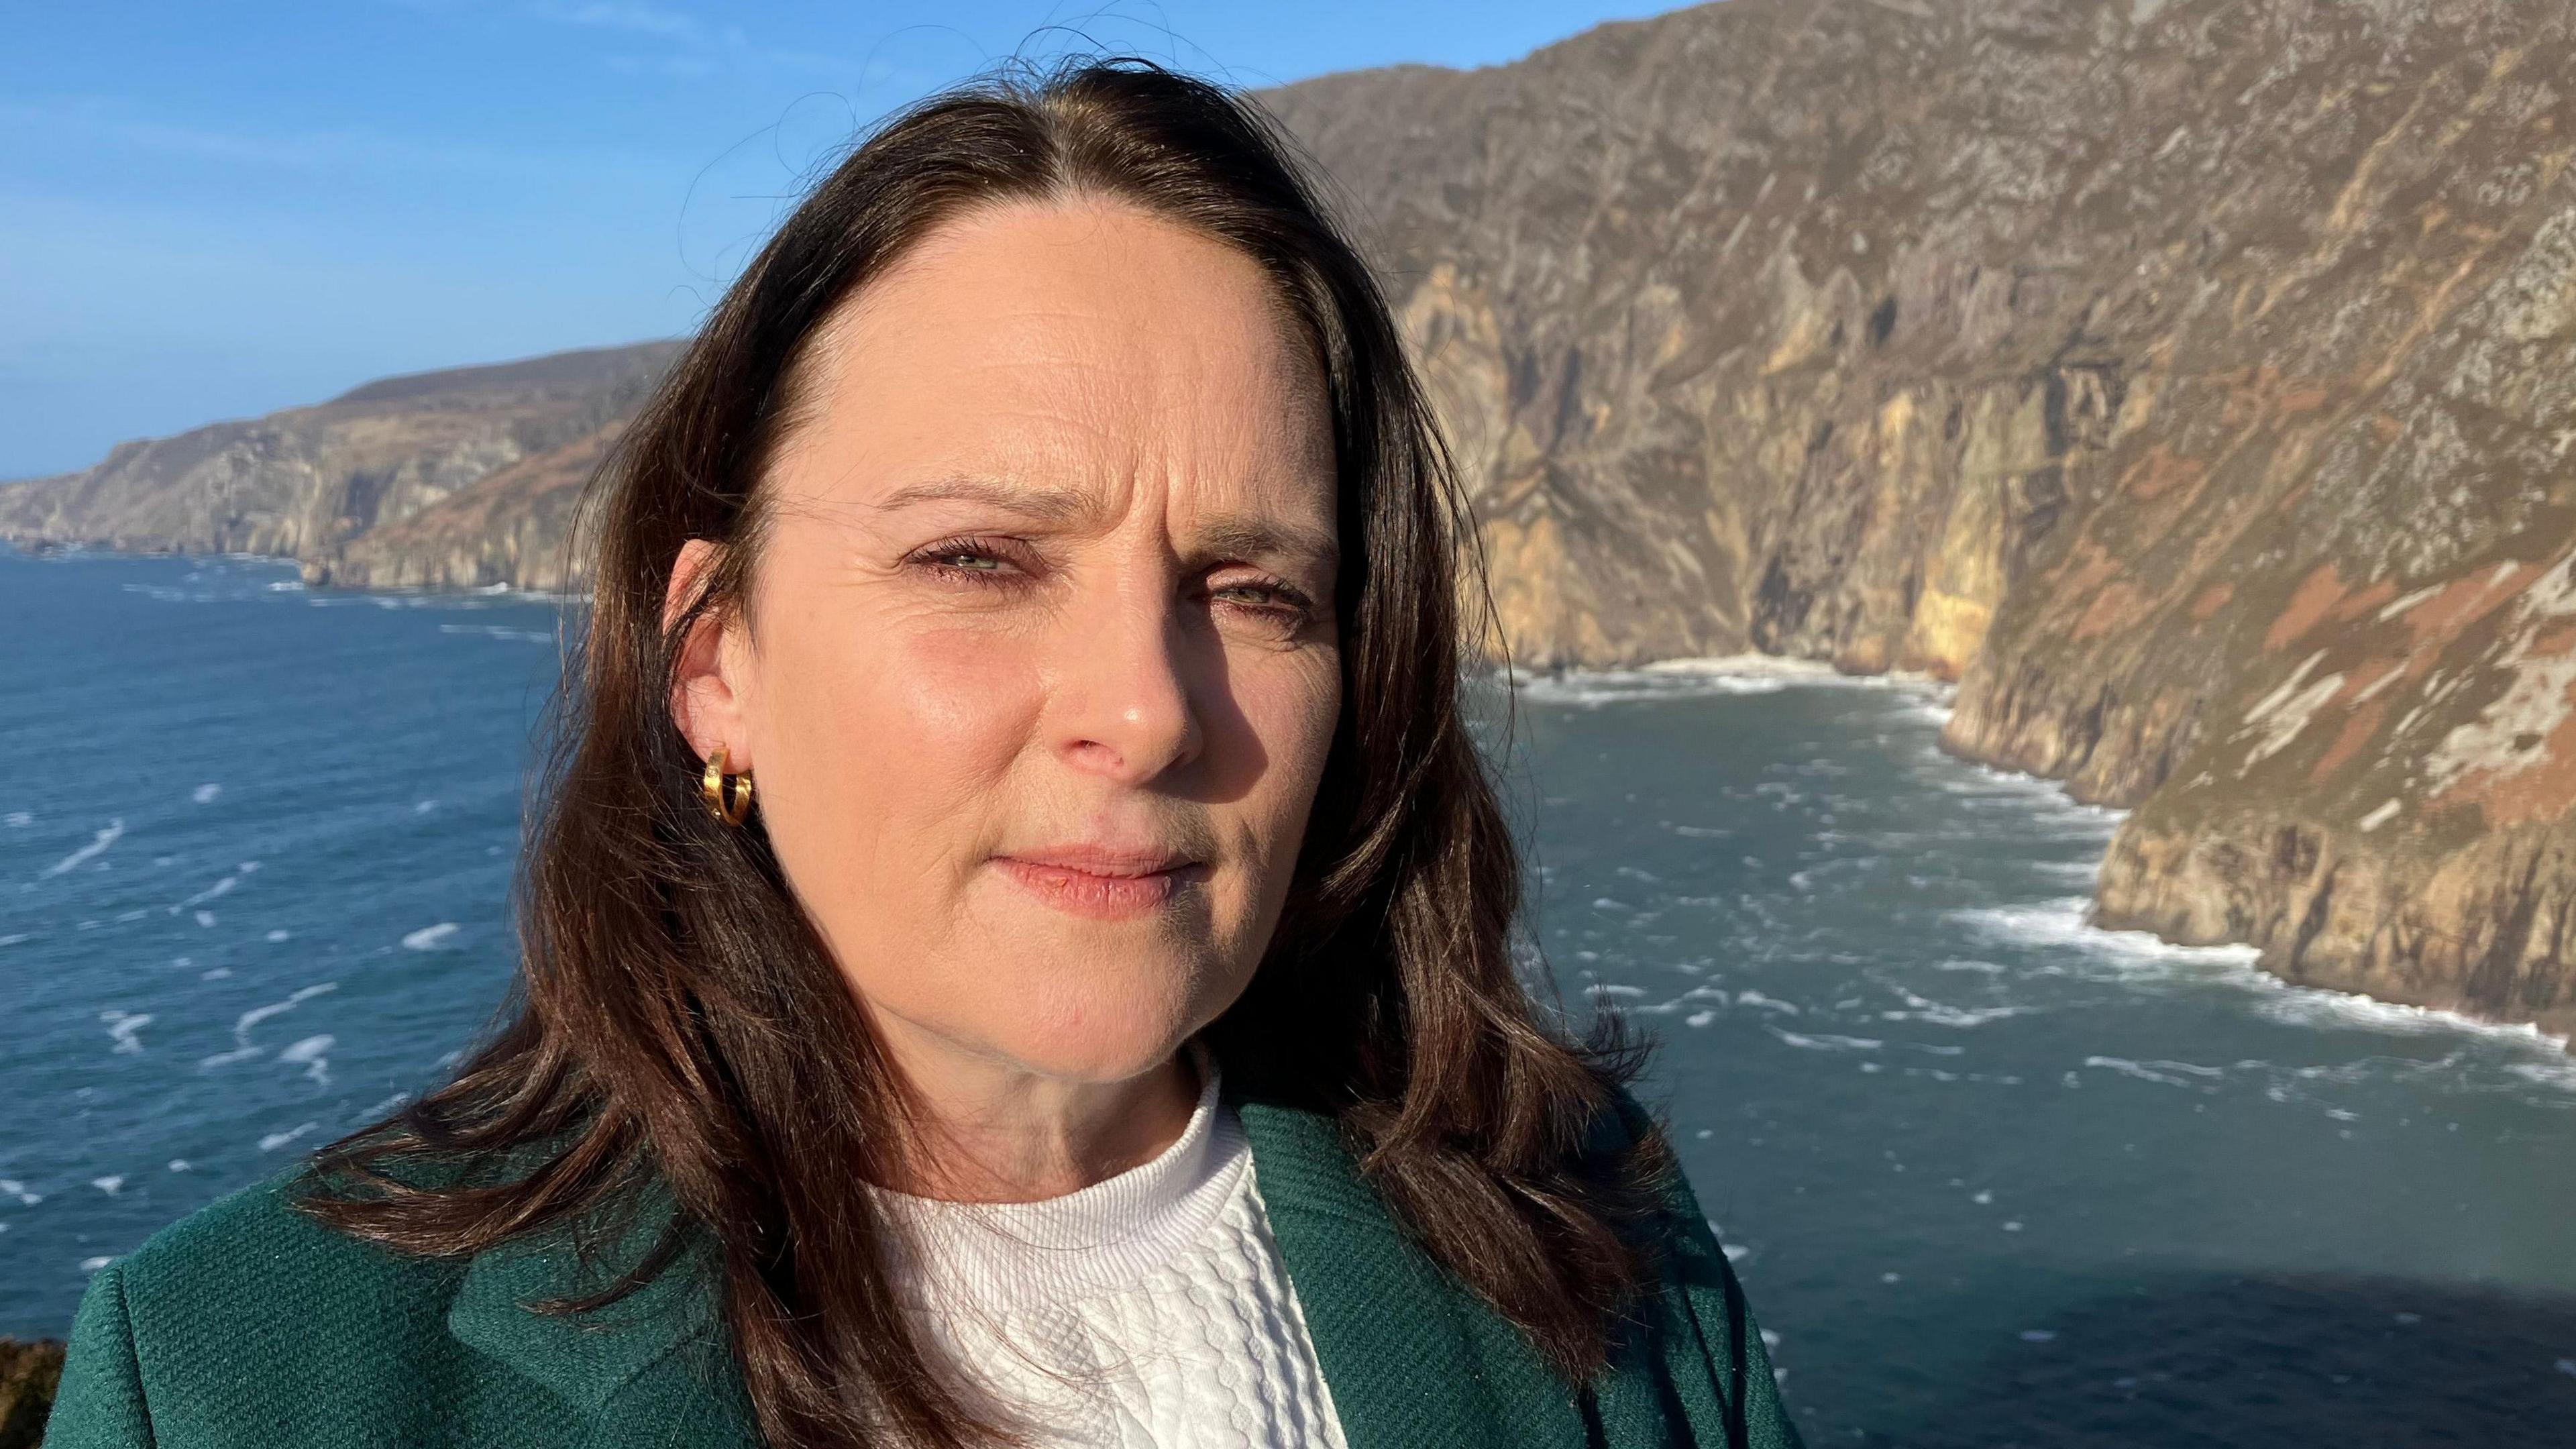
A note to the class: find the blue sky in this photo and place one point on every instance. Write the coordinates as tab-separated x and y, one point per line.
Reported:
213	211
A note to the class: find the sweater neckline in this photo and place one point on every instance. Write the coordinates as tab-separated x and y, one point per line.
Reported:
1014	1256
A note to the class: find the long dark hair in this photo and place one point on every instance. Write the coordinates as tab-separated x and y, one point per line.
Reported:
675	1013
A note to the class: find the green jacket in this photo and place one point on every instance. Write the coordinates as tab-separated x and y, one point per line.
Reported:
248	1324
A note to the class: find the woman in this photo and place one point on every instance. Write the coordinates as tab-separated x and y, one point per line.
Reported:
1101	1027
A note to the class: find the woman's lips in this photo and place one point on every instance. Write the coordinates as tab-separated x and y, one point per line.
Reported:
1099	897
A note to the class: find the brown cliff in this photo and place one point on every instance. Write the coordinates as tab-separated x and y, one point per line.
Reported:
303	482
2193	380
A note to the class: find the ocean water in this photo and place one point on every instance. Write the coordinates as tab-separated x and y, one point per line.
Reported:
1991	1176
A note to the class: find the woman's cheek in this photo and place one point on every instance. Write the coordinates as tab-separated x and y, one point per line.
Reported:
1293	704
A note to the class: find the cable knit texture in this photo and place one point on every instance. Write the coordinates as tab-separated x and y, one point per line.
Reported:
1147	1311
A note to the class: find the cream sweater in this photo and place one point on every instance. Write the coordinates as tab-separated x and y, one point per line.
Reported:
1146	1311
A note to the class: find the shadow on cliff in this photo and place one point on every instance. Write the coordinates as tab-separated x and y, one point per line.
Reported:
2195	1363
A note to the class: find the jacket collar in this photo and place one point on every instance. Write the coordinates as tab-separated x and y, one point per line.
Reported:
1409	1356
653	1364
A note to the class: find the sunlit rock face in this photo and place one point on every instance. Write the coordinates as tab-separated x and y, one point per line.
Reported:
2194	382
442	479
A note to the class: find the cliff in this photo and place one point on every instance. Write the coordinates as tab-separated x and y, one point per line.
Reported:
306	482
2192	380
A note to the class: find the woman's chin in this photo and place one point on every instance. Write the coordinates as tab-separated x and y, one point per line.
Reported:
1096	1053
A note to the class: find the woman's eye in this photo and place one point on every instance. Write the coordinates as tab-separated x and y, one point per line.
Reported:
960	558
1277	600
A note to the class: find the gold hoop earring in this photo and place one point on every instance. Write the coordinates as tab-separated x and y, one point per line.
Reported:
711	787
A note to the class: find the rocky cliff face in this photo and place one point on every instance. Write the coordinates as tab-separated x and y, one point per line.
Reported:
305	482
2192	380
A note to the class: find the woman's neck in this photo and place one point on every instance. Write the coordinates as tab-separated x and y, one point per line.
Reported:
993	1131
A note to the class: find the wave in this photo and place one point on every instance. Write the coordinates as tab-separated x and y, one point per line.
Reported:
1701	678
2162	1072
1825	1041
2142	958
98	843
430	938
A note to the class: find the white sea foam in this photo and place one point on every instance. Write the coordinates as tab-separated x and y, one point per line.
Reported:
1682	679
2308	1006
18	819
1825	1041
1749	997
243	1050
430	938
2074	872
312	1054
276	1140
98	843
219	888
122	1025
2162	1072
495	631
109	1185
205	794
1935	1013
385	1106
2061	924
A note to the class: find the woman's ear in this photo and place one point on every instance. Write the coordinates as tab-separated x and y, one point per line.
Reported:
706	698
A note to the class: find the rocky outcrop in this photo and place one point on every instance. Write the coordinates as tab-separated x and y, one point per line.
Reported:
2193	381
28	1375
304	482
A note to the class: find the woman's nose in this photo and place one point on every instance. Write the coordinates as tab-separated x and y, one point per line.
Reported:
1125	703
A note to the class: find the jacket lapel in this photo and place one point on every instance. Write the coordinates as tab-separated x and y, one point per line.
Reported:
655	1367
1411	1357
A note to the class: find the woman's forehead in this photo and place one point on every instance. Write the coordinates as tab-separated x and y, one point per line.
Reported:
1077	342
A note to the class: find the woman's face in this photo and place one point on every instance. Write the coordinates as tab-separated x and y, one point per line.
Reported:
1041	667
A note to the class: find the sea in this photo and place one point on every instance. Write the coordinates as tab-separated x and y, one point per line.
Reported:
1991	1176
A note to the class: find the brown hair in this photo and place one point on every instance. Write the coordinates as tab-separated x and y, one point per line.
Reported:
676	1014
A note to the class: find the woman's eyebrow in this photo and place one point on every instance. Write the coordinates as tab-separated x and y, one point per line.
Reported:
1237	535
1263	538
1047	505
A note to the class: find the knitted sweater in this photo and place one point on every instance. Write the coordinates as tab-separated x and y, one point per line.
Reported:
1146	1311
248	1324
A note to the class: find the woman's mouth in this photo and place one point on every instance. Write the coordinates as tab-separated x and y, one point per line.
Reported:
1098	895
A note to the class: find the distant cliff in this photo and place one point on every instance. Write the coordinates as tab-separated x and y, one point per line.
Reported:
2193	380
394	458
